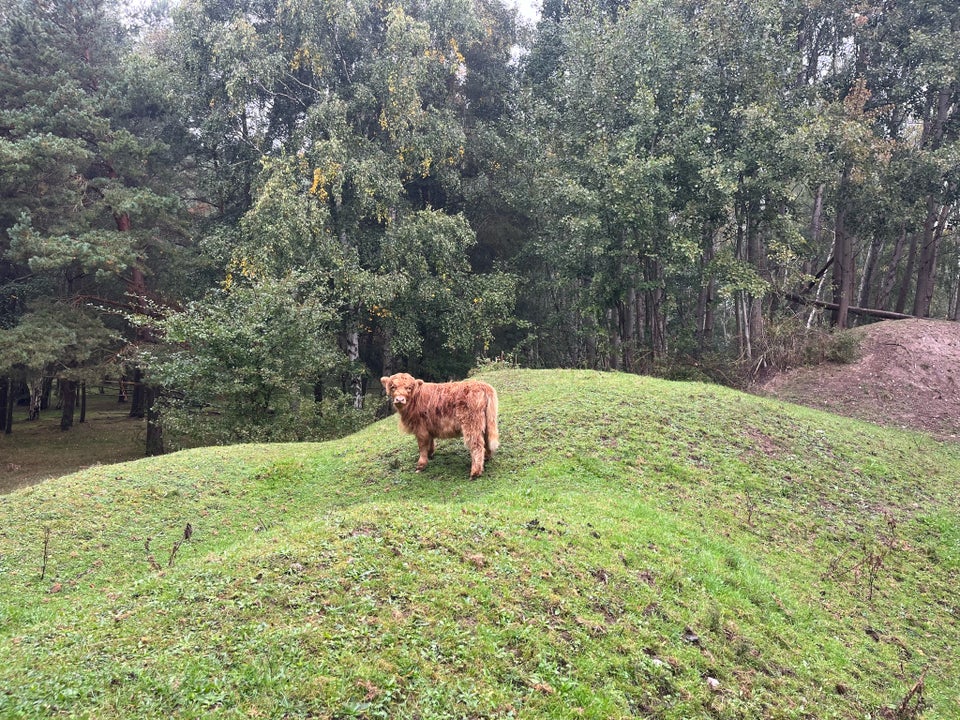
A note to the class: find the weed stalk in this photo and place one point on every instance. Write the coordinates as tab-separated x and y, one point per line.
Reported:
46	551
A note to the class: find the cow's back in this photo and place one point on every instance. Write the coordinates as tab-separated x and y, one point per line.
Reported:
442	410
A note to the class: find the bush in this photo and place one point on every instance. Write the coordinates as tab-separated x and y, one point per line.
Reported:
790	343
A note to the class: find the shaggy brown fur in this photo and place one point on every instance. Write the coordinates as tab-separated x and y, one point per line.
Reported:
446	410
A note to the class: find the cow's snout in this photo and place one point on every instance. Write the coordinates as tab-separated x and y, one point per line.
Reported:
399	400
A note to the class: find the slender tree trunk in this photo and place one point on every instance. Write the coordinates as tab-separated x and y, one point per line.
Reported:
821	281
927	270
890	277
68	396
6	405
629	309
46	387
615	339
869	268
743	313
816	218
83	402
757	257
843	271
906	281
955	314
154	429
707	294
36	397
387	353
352	347
655	309
137	396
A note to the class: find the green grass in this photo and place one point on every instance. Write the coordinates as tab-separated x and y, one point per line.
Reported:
638	548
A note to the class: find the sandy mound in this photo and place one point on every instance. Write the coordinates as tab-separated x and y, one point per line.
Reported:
908	376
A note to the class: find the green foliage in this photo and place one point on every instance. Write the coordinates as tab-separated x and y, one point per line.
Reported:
242	364
85	168
632	540
357	117
634	183
437	296
57	340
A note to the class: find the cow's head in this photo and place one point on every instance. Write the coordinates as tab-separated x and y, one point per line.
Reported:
400	388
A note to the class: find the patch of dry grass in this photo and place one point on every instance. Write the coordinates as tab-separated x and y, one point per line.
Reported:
39	450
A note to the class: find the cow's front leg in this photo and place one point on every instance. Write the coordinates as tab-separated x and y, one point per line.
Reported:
426	446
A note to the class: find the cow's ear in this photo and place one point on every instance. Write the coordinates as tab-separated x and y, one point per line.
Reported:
383	381
419	382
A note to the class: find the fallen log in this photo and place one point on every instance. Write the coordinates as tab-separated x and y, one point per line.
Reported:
872	312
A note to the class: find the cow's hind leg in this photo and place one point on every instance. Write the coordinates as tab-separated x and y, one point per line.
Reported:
473	438
476	458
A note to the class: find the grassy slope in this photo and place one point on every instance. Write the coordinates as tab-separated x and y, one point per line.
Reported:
637	548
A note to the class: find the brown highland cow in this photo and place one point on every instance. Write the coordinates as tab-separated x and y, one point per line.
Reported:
446	410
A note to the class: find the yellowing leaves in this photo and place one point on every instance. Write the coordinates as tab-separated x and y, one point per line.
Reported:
304	57
323	178
245	266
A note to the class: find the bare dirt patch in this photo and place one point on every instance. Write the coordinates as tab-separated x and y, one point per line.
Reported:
908	376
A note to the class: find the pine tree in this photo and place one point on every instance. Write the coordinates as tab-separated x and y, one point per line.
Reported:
80	219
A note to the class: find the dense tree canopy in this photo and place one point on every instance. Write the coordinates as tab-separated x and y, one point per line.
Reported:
260	204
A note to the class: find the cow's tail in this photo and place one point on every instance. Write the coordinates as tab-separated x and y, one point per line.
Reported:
492	433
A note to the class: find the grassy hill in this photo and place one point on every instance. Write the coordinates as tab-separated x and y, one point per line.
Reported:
638	548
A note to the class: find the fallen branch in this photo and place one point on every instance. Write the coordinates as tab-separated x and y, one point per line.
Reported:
187	534
872	312
915	696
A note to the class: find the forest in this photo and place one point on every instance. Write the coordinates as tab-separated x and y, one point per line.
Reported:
245	211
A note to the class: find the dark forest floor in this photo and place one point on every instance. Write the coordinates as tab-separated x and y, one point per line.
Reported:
38	450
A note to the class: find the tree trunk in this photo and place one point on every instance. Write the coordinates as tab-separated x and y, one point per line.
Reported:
890	277
352	342
955	314
871	312
843	259
757	257
743	326
36	398
154	429
615	338
927	270
655	308
907	281
869	268
629	311
6	405
706	296
68	396
83	402
137	397
46	387
816	218
386	354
